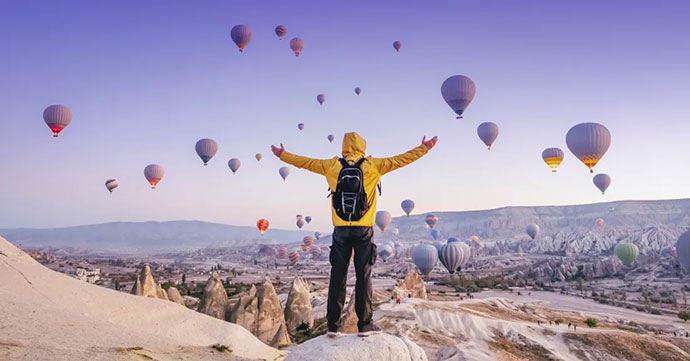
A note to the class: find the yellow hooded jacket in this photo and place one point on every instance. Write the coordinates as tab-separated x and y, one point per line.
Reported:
354	147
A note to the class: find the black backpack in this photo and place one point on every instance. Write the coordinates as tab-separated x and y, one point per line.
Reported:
349	199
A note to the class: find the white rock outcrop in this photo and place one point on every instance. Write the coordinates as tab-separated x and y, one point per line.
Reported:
411	287
383	347
175	296
298	309
215	300
146	286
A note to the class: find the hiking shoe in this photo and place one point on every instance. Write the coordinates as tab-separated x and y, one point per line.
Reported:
333	332
368	330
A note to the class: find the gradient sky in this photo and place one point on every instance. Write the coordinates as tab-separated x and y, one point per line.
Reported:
146	79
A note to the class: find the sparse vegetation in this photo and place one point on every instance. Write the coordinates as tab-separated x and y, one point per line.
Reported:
222	348
591	322
684	315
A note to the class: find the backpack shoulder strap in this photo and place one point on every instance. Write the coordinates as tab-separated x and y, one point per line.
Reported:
343	162
359	162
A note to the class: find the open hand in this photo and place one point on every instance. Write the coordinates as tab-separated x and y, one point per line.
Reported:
428	143
279	151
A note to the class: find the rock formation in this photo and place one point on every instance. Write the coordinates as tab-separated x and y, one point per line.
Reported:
215	300
160	293
412	286
383	347
146	286
348	317
175	296
298	309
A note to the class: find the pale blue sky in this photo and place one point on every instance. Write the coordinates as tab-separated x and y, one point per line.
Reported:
146	79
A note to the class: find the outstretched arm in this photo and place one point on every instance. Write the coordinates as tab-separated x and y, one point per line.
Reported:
385	165
318	166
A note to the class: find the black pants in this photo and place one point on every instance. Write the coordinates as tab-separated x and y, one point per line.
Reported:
345	240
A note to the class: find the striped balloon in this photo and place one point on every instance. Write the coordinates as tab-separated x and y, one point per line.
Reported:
57	117
304	247
438	245
683	251
298	217
308	240
241	35
626	252
111	184
358	90
321	98
588	142
234	164
281	31
602	181
431	220
466	253
282	252
206	149
293	257
262	225
315	251
453	240
488	132
407	206
154	173
458	91
385	252
397	45
425	257
552	157
297	45
451	256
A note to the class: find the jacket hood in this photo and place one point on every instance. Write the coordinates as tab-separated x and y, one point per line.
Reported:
354	146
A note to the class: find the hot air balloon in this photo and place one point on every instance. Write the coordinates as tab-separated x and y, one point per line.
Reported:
234	164
293	257
588	142
602	181
154	173
626	252
453	240
435	233
451	256
383	219
308	219
318	235
407	206
431	220
397	45
281	31
315	251
385	252
206	149
284	172
669	252
683	251
308	240
395	231
599	222
458	91
424	257
300	224
466	253
282	252
300	126
298	217
532	230
438	246
57	117
258	157
297	45
488	132
304	247
111	184
321	98
474	239
358	90
241	35
262	225
552	157
330	138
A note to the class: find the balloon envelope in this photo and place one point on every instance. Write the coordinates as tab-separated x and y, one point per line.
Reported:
599	222
488	132
300	224
282	252
466	253
241	35
358	90
532	230
234	164
602	181
284	172
206	149
385	252
458	91
262	225
552	157
317	235
280	31
431	220
111	184
453	240
438	245
300	126
154	173
308	240
397	45
297	45
451	256
626	252
331	137
425	257
588	142
321	98
258	156
293	257
683	251
407	206
435	233
383	219
57	117
308	219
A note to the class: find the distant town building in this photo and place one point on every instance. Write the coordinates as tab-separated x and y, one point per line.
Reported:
88	276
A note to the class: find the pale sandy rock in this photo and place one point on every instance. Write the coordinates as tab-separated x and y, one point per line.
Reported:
146	286
298	308
271	328
161	293
175	296
245	310
383	347
348	317
215	299
191	302
411	287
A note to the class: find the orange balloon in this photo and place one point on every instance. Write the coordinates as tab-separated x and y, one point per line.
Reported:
262	225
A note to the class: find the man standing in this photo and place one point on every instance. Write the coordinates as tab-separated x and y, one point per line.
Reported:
353	180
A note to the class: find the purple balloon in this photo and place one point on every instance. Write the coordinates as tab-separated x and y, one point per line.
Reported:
241	35
397	45
321	98
488	132
300	126
358	90
281	31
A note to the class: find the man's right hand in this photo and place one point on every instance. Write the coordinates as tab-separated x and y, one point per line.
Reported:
428	143
278	151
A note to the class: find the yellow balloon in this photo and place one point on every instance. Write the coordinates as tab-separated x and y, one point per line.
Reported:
258	156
